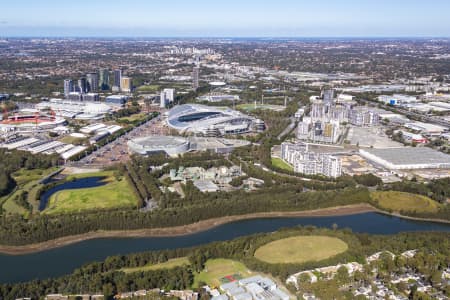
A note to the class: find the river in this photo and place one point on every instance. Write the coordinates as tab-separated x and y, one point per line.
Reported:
60	261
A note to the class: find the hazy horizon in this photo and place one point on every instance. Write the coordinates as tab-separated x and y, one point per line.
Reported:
233	18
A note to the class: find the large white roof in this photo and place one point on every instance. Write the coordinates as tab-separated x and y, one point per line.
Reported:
196	117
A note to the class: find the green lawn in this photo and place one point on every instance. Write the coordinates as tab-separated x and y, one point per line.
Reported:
23	176
251	107
135	117
72	140
300	249
148	88
398	201
215	269
171	263
11	207
27	180
114	194
108	174
279	163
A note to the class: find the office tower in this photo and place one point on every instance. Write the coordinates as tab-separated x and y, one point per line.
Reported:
126	84
92	82
167	96
162	100
328	96
104	80
82	85
195	74
68	87
117	77
170	95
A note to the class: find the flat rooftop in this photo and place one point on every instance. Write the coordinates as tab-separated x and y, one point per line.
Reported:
410	156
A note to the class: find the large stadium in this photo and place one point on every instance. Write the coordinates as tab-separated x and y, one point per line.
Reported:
30	120
209	120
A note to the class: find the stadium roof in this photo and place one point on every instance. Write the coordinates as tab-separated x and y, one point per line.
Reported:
195	117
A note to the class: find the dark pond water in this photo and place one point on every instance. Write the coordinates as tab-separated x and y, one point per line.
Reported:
81	183
56	262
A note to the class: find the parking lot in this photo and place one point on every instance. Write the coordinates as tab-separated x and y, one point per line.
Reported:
117	150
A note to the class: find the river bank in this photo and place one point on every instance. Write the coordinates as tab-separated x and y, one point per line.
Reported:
200	226
182	230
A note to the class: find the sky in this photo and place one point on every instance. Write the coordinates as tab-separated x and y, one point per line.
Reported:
225	18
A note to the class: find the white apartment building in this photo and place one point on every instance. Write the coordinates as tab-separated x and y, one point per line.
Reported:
363	117
311	163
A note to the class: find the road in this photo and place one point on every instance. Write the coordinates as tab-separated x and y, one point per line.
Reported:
288	129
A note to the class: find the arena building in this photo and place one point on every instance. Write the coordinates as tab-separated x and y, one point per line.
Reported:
175	145
207	120
76	109
170	145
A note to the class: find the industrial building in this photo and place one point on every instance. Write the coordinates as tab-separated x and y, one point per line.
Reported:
426	128
209	120
407	158
36	145
397	99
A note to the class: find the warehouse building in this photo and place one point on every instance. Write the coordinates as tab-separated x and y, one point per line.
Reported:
407	158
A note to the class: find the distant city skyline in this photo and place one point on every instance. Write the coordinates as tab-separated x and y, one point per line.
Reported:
232	18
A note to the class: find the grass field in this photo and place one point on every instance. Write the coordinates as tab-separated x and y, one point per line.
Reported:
148	88
135	117
300	249
27	180
114	194
11	207
72	140
215	269
24	176
251	107
399	201
108	174
279	163
171	263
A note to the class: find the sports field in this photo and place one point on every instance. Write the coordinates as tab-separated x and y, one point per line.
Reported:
171	263
400	201
279	163
251	107
217	271
300	249
114	194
